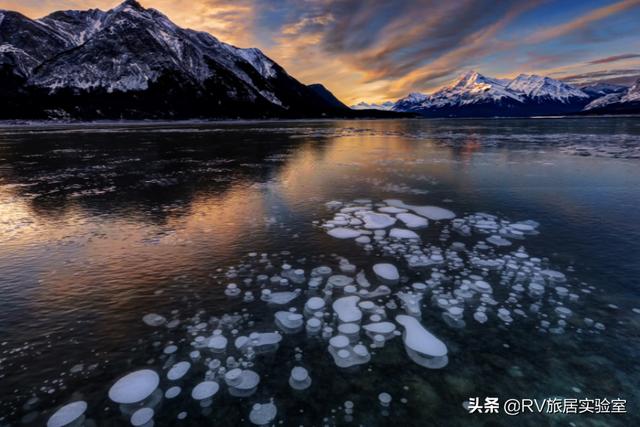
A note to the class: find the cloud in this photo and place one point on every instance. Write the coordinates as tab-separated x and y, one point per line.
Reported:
614	58
582	22
625	72
377	50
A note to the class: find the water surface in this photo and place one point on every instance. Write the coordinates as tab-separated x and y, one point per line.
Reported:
102	224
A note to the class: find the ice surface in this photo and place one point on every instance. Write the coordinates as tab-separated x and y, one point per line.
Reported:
134	387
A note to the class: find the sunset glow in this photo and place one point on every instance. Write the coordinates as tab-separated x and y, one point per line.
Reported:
376	51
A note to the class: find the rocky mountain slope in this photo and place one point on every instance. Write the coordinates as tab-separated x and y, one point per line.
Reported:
132	62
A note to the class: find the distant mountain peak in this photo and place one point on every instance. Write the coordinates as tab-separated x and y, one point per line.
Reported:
130	3
475	94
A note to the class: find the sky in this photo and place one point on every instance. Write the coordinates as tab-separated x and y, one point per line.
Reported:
379	50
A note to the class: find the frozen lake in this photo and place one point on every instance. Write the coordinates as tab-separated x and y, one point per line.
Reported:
435	261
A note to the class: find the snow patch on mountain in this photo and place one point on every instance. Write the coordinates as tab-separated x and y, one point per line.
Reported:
633	94
473	88
535	86
603	101
256	58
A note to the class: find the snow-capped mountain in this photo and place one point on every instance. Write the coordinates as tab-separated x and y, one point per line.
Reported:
543	89
597	90
626	102
476	95
134	62
385	106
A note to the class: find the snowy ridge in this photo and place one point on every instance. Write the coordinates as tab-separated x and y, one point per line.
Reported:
475	94
633	94
617	101
603	101
535	86
143	43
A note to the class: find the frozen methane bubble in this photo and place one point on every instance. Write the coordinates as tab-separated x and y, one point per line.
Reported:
279	298
153	319
374	221
432	212
339	281
402	233
481	286
299	378
413	221
259	341
242	384
313	305
134	387
232	290
391	210
384	399
421	345
346	356
350	330
67	414
263	413
347	309
344	233
498	241
289	322
411	303
480	316
384	329
386	272
141	417
217	343
173	392
178	371
313	325
205	390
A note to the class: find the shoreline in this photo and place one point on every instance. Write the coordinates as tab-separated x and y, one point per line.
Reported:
7	124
